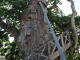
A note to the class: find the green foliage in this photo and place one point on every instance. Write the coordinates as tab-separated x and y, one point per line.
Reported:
68	57
11	10
60	23
51	2
76	56
9	50
3	50
13	52
1	43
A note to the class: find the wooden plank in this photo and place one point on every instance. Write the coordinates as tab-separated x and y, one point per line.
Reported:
67	46
62	42
53	50
49	50
56	54
52	43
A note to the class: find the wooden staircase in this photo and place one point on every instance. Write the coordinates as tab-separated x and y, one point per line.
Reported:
65	43
49	50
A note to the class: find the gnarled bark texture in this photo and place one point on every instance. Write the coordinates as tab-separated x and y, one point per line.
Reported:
34	31
73	23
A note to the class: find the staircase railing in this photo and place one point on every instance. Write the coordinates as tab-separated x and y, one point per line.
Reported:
49	50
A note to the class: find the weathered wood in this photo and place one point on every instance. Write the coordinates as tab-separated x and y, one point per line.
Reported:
49	51
62	41
56	54
64	48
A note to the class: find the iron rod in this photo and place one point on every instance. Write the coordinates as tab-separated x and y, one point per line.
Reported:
53	34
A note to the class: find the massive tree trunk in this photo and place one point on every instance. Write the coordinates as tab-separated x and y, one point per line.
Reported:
33	31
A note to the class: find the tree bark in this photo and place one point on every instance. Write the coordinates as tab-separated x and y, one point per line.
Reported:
73	24
52	7
11	29
71	54
33	32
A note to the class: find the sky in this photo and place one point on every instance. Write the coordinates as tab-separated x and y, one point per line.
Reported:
11	39
66	7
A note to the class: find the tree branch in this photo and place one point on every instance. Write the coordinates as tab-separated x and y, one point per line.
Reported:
73	23
11	29
52	7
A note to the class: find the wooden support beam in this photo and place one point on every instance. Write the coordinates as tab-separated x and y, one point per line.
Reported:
56	54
